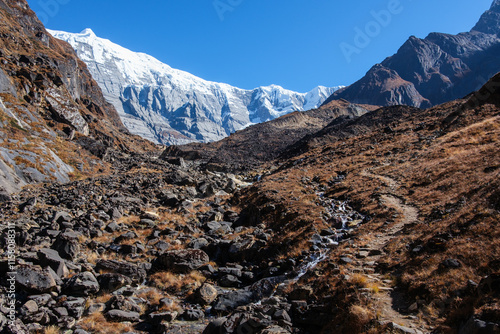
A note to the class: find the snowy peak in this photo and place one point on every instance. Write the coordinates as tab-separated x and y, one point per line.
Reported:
171	106
88	32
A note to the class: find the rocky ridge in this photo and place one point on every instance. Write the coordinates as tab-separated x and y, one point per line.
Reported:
250	148
169	106
50	107
436	69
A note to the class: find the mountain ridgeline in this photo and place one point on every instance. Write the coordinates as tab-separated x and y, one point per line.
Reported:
346	218
436	69
169	106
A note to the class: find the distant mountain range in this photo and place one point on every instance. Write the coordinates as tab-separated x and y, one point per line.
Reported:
430	71
170	106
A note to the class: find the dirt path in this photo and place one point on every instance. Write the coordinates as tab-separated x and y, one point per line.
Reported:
388	301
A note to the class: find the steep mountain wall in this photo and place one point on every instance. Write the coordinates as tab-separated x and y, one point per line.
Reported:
54	120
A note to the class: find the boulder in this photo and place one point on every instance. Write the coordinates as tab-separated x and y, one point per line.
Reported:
132	271
50	257
16	327
123	303
398	329
215	327
75	306
206	294
113	281
163	316
229	281
83	284
193	315
35	279
450	264
198	243
67	245
121	316
182	261
231	300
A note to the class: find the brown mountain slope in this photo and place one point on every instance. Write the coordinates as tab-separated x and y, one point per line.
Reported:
251	147
428	184
50	107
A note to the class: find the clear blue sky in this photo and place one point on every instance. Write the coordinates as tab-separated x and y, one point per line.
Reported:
250	43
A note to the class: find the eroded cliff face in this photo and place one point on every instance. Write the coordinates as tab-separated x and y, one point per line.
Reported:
52	113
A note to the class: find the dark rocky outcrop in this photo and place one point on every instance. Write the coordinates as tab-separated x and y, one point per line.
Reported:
257	144
46	91
182	260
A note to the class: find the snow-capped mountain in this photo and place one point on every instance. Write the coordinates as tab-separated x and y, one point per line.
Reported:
169	106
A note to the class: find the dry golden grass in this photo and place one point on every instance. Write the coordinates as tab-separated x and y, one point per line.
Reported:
128	220
359	280
97	323
358	317
93	257
103	298
51	330
152	295
374	287
168	281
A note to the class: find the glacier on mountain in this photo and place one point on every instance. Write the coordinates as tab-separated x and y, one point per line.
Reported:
170	106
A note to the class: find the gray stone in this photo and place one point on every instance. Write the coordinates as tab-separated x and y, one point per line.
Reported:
112	227
229	281
163	316
50	257
61	311
120	302
75	306
83	284
182	260
398	329
451	264
121	316
67	245
231	300
193	315
206	294
198	243
132	271
35	279
42	300
30	307
113	281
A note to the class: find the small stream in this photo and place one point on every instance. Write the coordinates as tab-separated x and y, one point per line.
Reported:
338	213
